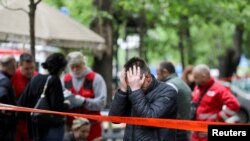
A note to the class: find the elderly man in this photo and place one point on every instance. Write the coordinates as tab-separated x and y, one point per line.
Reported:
213	101
166	73
141	95
89	86
7	96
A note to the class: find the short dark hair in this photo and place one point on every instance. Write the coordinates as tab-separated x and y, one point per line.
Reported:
26	57
138	62
54	63
168	66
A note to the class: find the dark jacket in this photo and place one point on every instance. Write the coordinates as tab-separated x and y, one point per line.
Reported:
183	97
7	96
7	118
69	136
159	101
32	93
184	103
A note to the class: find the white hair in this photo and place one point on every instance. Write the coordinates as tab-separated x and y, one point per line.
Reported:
76	57
202	68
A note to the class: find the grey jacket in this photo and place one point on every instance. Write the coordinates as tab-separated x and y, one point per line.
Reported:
159	101
183	97
183	103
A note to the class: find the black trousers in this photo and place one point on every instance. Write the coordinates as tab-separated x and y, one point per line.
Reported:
7	133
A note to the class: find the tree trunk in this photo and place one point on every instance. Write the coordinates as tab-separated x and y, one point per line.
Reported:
185	43
115	55
181	50
32	13
189	47
103	64
142	30
229	62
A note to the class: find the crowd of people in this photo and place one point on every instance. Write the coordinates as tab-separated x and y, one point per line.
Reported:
194	96
24	85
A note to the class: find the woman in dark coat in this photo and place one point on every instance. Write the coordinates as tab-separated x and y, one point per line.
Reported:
55	64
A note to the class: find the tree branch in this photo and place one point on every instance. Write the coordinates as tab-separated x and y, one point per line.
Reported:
13	9
36	3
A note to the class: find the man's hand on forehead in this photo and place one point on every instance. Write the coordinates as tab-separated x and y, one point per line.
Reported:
134	78
135	71
123	83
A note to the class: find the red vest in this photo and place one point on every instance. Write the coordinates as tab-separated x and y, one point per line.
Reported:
85	91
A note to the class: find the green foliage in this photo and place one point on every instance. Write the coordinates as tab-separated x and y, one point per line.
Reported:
161	43
211	24
81	10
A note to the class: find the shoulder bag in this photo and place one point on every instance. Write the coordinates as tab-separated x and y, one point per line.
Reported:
43	104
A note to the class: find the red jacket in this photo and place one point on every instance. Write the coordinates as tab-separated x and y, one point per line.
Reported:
218	103
19	82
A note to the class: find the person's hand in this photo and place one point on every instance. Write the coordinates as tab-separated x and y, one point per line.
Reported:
80	99
67	93
67	103
74	101
134	78
123	83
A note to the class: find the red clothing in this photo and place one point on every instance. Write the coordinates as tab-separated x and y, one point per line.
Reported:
19	82
22	131
218	104
85	91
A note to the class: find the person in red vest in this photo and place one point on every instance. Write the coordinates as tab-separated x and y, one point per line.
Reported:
21	78
212	100
88	86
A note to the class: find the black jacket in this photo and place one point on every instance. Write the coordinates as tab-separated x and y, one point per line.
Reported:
160	101
7	96
32	93
7	118
69	136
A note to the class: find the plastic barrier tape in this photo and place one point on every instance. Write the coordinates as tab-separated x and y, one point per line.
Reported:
155	122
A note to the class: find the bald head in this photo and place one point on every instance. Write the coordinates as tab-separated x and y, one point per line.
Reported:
203	69
201	74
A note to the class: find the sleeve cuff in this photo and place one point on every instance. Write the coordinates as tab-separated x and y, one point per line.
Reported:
122	92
